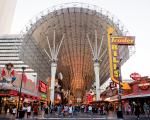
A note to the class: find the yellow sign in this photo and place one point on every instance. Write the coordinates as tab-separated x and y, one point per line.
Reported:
114	59
123	40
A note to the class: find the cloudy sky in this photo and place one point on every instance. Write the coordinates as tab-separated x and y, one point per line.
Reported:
134	14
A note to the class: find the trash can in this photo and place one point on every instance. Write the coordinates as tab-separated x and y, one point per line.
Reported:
46	110
21	114
119	114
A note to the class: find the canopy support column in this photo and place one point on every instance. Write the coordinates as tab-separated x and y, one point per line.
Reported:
53	73
97	53
96	70
53	57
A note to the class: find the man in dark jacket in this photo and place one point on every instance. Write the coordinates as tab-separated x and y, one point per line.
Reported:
137	111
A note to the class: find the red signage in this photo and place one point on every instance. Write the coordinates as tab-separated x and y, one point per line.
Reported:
89	98
42	87
135	76
13	92
144	85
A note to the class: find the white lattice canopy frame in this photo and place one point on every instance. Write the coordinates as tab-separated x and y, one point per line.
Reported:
79	23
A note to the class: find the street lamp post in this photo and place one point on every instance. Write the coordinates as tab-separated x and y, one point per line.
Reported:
120	113
23	69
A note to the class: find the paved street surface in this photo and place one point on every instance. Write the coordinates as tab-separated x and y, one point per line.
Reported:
80	116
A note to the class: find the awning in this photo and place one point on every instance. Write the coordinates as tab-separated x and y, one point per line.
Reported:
138	94
133	95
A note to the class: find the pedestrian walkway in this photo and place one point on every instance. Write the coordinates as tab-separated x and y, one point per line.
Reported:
79	116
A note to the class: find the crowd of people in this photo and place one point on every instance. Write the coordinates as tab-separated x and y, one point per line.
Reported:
27	110
37	109
137	108
24	109
73	110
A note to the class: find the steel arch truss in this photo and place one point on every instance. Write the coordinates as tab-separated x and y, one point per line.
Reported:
75	59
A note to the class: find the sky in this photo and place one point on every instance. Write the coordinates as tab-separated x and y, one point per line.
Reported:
134	14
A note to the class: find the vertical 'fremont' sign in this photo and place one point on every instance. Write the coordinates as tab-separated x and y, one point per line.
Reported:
113	45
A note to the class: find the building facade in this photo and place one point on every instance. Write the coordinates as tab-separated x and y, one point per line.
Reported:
9	53
7	9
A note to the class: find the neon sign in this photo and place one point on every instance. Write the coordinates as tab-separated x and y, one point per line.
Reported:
42	87
123	40
114	60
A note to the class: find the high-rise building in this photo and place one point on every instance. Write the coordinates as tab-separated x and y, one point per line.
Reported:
7	9
9	53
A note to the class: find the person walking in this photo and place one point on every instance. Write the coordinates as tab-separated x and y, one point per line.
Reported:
22	111
82	108
43	111
6	108
28	111
129	109
146	108
132	108
62	111
70	110
35	109
125	108
104	110
101	110
65	110
137	111
51	108
90	109
46	108
14	111
59	109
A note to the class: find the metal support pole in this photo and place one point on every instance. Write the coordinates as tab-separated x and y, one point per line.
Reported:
23	69
53	73
96	70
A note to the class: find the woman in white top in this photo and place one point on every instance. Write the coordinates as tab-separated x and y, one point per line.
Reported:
14	111
28	111
70	110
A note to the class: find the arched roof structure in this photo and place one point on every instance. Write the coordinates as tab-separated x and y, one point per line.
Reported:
75	60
